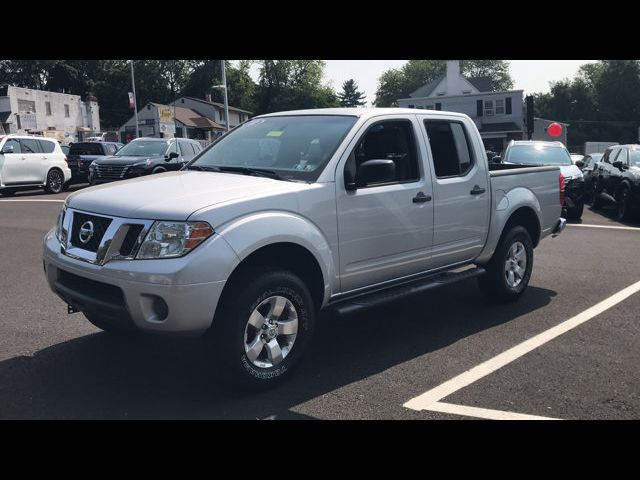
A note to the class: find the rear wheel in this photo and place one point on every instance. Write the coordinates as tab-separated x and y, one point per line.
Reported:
624	204
55	181
261	330
509	270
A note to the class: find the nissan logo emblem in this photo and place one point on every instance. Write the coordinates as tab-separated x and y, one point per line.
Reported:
86	232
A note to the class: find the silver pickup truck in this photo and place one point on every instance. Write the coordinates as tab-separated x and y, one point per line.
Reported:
294	212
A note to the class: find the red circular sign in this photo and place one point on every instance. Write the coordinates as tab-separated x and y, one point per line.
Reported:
554	130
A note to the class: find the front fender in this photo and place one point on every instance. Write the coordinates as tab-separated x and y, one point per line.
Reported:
504	205
249	233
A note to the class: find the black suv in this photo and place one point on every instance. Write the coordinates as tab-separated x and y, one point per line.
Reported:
81	155
144	156
616	180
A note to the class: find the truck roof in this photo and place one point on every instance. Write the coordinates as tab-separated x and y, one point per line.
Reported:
360	112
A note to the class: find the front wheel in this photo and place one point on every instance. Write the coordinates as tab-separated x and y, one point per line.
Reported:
509	270
262	329
55	181
624	205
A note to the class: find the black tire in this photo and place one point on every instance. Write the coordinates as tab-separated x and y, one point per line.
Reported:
225	341
110	326
575	213
494	282
55	181
595	202
158	170
625	209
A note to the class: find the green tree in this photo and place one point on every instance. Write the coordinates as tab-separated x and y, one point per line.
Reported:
350	96
292	84
400	82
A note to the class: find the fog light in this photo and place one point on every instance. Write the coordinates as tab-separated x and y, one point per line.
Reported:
160	308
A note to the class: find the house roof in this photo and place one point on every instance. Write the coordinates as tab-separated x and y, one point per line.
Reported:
191	118
500	127
219	105
482	84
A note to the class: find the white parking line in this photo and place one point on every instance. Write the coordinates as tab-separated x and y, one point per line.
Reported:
483	412
601	226
427	400
30	200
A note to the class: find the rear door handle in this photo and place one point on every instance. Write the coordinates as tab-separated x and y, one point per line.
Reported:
477	190
421	198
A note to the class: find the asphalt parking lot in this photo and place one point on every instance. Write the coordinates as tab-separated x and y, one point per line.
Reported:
395	362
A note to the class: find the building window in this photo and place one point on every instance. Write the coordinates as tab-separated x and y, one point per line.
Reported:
500	106
411	106
47	106
488	107
66	110
420	107
430	107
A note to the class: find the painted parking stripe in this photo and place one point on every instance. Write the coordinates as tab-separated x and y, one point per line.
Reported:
476	412
428	399
602	226
30	200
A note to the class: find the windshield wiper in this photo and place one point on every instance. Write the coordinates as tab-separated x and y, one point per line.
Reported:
258	172
203	168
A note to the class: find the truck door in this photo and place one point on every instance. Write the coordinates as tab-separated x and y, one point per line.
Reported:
385	228
461	192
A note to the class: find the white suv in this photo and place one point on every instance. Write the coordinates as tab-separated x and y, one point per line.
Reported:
28	161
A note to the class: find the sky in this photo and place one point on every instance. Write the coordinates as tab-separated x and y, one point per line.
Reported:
528	75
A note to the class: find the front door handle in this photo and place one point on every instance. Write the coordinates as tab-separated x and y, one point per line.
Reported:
421	198
477	190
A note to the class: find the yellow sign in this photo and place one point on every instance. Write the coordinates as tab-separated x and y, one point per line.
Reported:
166	115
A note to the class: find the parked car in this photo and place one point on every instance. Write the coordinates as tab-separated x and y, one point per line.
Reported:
28	161
143	156
65	149
294	212
617	180
589	165
81	155
529	152
576	157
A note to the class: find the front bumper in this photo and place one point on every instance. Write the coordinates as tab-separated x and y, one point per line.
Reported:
126	291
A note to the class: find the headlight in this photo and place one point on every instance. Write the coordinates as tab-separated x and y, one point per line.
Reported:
173	239
61	233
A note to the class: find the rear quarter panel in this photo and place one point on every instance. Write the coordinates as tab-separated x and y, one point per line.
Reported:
536	188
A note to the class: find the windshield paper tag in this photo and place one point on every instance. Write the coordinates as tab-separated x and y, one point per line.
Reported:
274	133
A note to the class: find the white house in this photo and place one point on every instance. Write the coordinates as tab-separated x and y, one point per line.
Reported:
59	115
498	115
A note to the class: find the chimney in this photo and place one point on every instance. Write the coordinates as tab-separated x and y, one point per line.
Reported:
453	68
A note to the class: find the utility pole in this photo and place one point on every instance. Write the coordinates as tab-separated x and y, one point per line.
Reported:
135	99
226	103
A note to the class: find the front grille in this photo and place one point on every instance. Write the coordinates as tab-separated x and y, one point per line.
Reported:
100	225
129	241
111	172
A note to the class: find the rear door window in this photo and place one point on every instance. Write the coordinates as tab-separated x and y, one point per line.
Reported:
46	146
30	145
450	148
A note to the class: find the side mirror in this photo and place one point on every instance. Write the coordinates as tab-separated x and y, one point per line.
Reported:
580	164
171	156
375	171
7	149
619	165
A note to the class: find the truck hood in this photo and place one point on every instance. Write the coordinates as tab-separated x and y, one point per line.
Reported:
174	195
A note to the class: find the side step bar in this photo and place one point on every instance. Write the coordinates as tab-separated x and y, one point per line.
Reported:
381	297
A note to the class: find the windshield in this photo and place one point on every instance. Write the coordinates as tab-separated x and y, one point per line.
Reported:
297	147
537	154
634	159
143	148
